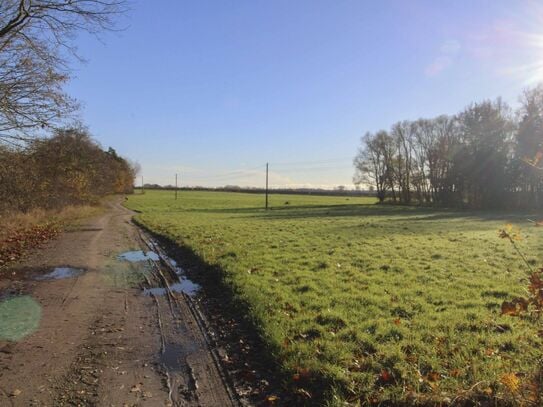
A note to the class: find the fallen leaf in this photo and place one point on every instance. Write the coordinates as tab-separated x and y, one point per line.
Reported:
455	372
511	381
136	388
385	376
15	393
514	307
433	376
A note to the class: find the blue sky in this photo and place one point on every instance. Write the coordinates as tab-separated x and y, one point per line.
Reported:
215	89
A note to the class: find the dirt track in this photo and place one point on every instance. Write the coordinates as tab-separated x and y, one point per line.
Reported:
93	338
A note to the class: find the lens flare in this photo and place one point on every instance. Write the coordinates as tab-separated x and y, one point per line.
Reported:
19	317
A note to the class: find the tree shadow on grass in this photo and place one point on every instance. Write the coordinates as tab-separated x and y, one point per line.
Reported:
406	213
286	210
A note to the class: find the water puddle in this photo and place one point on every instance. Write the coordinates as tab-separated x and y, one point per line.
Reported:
59	273
174	357
138	255
183	286
178	270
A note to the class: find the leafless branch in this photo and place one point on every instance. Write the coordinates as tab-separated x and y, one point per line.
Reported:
35	38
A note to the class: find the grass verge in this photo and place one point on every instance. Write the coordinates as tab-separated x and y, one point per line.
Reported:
367	304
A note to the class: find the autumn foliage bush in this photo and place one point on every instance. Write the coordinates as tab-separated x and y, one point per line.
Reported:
69	168
528	306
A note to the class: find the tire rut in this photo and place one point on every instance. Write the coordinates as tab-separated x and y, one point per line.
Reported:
99	340
191	366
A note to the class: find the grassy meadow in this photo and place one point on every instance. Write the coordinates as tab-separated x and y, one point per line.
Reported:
371	303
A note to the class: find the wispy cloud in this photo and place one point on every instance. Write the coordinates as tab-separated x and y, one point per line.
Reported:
448	52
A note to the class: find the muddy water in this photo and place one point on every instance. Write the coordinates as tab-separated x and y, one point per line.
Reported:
138	255
61	272
174	355
183	286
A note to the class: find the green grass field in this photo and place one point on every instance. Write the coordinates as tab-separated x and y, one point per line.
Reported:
380	303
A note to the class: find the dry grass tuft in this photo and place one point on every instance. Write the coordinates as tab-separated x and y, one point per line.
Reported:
20	232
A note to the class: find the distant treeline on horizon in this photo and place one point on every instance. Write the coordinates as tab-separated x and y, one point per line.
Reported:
234	188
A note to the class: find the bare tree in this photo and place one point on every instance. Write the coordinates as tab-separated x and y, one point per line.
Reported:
36	37
58	20
373	163
529	145
402	133
31	95
471	159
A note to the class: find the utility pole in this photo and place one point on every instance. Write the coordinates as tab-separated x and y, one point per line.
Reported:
267	165
142	184
176	186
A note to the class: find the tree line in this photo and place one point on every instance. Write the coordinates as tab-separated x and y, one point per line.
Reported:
47	158
65	169
487	156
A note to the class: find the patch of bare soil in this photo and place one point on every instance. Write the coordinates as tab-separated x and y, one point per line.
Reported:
76	329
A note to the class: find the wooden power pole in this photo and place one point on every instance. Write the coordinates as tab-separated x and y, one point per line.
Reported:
176	187
267	165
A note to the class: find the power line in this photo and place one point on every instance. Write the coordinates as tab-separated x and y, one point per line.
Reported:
267	167
306	169
296	166
296	163
229	174
288	169
237	176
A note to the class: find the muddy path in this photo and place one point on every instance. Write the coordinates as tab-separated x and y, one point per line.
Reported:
76	328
